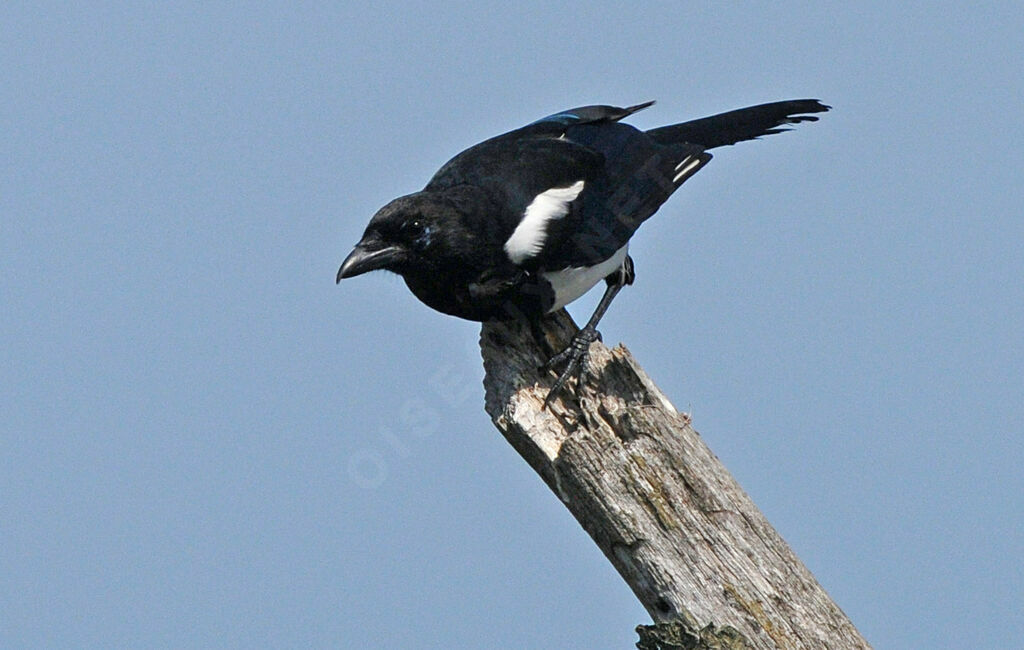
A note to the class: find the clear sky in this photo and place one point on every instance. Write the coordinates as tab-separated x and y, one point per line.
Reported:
205	443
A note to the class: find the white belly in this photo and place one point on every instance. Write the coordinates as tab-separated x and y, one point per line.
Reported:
569	284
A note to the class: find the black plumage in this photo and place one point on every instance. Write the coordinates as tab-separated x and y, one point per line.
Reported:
525	222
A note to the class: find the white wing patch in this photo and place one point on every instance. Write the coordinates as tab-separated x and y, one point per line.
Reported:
569	284
528	238
685	167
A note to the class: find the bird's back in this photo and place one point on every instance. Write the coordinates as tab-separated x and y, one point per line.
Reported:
626	176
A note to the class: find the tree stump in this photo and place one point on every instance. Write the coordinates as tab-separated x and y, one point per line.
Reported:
685	537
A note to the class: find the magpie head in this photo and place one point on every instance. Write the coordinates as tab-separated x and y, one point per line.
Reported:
404	236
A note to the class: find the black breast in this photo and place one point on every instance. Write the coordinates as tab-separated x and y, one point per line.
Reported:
485	297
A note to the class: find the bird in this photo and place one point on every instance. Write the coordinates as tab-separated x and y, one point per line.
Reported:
524	223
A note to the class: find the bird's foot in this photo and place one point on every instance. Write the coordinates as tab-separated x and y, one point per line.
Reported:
573	357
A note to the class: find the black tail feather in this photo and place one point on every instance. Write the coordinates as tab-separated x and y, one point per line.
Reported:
739	125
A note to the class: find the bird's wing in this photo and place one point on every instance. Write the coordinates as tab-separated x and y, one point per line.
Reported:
636	177
558	122
533	155
530	179
571	188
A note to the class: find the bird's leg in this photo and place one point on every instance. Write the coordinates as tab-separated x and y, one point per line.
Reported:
576	352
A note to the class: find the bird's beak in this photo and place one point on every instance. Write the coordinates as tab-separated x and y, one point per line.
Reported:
365	258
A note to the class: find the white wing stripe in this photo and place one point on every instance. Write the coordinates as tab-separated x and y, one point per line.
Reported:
528	238
682	163
687	166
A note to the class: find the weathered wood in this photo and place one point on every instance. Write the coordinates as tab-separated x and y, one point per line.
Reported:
663	509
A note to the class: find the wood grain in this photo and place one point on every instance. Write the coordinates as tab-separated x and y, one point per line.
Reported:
664	510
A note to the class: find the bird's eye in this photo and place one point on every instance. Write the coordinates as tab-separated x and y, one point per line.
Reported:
418	232
412	227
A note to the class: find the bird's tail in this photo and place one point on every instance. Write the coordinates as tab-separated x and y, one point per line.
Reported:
741	124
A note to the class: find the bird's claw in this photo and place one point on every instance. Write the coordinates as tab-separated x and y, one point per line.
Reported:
573	356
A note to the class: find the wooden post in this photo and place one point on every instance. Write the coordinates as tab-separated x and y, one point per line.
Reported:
696	551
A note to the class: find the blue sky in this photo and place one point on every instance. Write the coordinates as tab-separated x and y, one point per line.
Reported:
205	443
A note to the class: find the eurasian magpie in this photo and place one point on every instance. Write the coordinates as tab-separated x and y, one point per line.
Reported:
524	223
